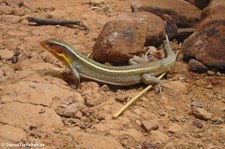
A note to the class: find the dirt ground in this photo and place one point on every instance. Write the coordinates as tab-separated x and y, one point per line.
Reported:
40	105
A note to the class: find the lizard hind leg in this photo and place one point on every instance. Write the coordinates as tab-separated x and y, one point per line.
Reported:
152	80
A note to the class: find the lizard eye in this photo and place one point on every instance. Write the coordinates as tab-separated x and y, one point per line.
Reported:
58	49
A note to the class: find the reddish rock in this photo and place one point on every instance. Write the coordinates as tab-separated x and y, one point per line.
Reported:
177	9
207	44
125	36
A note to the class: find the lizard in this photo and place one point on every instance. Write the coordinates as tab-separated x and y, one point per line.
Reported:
84	67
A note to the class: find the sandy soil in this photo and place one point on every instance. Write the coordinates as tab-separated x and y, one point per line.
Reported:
40	105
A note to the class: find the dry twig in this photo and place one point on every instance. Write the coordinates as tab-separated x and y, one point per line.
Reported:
40	21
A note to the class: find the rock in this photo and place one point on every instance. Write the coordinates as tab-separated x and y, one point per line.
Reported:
6	54
125	36
177	9
201	114
196	66
197	124
197	104
105	88
150	125
171	27
207	43
71	111
214	7
217	120
201	4
211	73
174	128
12	134
121	98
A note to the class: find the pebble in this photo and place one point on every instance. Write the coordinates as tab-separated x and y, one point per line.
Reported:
105	88
197	124
201	114
197	104
174	128
196	66
150	125
217	120
211	73
121	98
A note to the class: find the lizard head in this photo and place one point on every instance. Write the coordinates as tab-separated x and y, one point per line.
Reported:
58	49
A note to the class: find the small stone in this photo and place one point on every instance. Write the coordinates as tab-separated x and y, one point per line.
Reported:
162	113
71	110
197	104
211	73
174	128
217	121
196	66
201	114
121	98
197	124
150	125
105	88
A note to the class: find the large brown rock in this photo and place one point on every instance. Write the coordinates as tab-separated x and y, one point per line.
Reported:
179	10
207	44
214	7
126	35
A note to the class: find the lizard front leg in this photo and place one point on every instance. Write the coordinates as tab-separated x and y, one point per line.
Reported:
76	76
152	80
